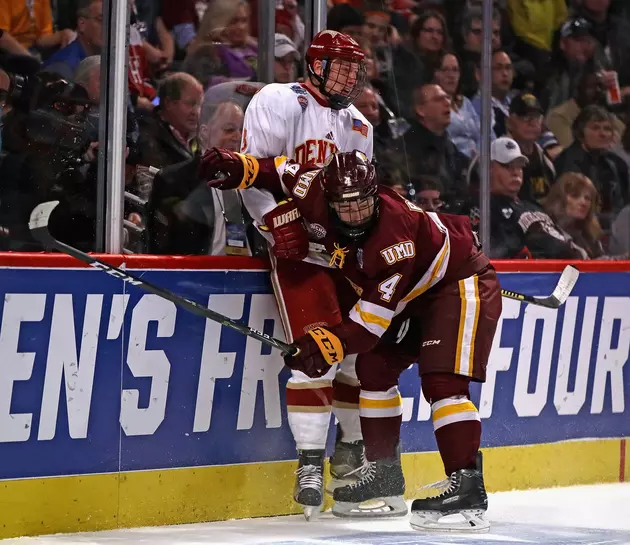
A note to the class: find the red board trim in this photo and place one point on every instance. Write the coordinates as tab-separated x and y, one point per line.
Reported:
53	261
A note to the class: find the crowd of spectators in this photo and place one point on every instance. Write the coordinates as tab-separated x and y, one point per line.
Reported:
560	153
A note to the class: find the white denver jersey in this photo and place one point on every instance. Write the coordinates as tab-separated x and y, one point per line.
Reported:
286	119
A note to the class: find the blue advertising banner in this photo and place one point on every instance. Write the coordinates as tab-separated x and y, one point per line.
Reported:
99	377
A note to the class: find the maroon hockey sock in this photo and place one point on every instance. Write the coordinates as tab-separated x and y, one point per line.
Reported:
458	444
380	436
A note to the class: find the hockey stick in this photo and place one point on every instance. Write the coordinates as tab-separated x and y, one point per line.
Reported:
561	292
38	225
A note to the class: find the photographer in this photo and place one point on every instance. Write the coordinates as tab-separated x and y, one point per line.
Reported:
48	130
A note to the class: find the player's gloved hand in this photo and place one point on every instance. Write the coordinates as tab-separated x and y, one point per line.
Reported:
224	169
317	351
290	236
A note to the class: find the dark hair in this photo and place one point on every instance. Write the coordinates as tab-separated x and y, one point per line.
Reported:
426	182
171	87
83	7
476	14
592	112
417	25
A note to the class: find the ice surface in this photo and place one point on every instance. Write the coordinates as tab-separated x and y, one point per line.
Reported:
580	515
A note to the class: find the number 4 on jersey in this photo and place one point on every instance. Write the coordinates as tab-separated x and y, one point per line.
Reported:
387	287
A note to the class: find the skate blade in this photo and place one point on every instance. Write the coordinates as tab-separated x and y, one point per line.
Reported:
429	521
387	507
312	512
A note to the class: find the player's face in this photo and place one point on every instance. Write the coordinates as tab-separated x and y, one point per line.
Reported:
355	213
343	77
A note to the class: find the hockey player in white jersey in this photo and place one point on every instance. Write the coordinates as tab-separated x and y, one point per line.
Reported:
308	122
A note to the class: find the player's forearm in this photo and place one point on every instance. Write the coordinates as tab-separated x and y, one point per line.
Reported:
356	338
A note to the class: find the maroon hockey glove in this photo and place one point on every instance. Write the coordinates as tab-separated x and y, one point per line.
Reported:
290	236
224	169
317	351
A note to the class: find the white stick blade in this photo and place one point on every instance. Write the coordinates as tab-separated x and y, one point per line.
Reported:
567	281
41	214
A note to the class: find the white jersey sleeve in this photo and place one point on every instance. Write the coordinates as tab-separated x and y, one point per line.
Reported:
265	134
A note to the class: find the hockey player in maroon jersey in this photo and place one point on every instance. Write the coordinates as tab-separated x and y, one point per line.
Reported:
413	287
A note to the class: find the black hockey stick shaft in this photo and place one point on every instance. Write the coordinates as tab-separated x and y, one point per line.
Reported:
39	228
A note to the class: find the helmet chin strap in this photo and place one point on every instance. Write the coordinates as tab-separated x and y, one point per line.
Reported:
355	233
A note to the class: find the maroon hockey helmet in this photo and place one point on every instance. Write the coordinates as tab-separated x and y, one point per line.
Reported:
350	186
341	83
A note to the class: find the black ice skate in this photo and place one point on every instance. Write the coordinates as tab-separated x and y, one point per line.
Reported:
464	494
344	463
377	493
309	482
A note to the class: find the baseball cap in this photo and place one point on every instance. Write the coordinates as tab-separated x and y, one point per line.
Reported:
504	150
575	26
524	104
284	45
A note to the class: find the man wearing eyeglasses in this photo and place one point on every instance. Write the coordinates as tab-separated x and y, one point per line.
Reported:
525	126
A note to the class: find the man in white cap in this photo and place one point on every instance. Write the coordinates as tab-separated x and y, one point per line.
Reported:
286	55
519	229
506	168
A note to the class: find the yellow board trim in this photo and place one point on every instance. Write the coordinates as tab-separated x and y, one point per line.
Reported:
177	496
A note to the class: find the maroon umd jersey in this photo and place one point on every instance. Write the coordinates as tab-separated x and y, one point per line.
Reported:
406	253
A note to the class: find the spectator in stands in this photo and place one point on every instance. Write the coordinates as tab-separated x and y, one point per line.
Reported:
286	57
472	39
415	62
534	23
428	193
89	40
613	36
88	76
502	79
291	8
347	19
368	104
572	204
589	91
465	127
30	23
181	20
519	229
11	45
525	126
168	134
591	155
228	22
575	47
187	217
428	148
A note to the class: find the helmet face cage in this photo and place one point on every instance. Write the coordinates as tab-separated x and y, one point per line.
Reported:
341	81
351	189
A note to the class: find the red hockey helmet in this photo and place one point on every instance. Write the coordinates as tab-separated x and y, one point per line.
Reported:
350	185
340	82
